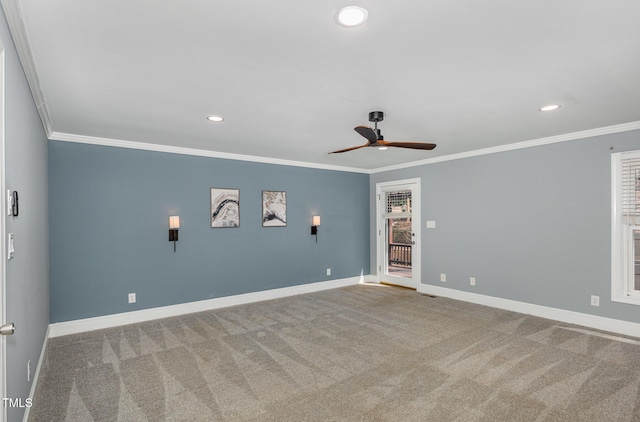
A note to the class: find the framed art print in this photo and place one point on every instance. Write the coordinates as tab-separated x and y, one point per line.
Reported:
225	208
274	208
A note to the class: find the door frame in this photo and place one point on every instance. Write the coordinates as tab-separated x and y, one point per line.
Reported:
3	235
416	256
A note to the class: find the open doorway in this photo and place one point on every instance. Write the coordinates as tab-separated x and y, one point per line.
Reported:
398	233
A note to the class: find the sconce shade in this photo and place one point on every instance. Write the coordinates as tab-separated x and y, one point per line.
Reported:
316	220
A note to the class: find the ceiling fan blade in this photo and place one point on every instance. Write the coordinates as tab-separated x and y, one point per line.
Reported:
349	149
412	145
368	133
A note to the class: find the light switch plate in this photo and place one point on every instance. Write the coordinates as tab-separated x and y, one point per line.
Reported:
431	224
9	202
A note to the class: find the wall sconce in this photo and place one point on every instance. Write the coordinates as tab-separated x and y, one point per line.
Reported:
315	222
174	225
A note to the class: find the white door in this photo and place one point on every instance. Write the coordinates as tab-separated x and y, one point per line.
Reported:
398	232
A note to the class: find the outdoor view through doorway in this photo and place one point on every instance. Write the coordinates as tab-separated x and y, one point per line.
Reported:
399	233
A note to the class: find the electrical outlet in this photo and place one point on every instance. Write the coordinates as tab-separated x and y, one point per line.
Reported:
472	281
443	277
595	300
132	298
29	371
328	271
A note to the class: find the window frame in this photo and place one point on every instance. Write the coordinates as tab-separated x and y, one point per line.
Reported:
622	241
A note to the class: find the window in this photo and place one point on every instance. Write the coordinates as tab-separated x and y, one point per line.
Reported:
625	227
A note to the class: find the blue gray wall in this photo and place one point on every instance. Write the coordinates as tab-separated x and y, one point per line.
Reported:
27	294
109	211
532	225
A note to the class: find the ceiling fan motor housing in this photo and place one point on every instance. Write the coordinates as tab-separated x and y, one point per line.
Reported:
376	116
375	138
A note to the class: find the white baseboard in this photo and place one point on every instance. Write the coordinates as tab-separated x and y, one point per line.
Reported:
370	278
97	323
36	374
569	317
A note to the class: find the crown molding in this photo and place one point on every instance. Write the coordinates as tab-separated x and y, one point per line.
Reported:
67	137
607	130
21	41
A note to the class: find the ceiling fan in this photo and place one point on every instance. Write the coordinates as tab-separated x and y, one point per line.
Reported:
376	139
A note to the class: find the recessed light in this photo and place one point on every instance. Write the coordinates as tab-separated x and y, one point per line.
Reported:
550	107
383	148
351	16
215	118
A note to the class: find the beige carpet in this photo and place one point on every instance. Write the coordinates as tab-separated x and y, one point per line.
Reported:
362	353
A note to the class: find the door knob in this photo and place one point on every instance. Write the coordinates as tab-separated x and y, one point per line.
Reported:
7	329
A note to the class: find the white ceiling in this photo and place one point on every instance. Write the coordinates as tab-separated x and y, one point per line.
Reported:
292	84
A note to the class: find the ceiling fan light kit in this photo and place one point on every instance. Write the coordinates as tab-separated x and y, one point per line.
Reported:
375	138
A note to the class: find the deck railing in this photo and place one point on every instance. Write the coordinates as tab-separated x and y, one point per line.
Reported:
399	255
